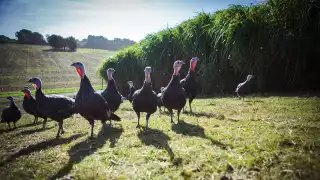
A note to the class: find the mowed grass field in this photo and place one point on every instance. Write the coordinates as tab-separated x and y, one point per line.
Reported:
20	62
259	138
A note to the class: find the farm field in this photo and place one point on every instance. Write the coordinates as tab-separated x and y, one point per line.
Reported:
259	138
20	62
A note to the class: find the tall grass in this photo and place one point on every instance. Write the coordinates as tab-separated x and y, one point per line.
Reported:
277	41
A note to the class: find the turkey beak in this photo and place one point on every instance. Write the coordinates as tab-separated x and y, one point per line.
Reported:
72	64
30	80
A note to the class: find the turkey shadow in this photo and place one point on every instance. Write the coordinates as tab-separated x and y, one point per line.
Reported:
87	147
158	139
17	127
32	131
200	114
195	130
253	101
233	120
164	112
40	146
4	131
126	109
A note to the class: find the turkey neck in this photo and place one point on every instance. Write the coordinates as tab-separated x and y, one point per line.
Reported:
85	85
175	80
191	73
39	93
147	81
112	85
13	104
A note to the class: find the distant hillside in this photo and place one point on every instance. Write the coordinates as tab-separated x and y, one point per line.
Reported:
100	42
20	62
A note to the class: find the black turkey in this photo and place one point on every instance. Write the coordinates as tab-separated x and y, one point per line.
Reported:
145	99
90	104
159	99
245	87
173	96
29	105
111	93
131	90
189	83
55	107
11	113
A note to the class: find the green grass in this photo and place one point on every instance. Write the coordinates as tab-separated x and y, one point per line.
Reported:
262	138
18	63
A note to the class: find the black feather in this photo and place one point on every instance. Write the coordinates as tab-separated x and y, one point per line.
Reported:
11	114
112	95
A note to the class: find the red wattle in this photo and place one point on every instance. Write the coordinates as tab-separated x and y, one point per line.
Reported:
27	95
193	66
79	72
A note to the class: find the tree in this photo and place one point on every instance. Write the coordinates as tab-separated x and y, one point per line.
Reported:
5	39
25	36
71	43
56	41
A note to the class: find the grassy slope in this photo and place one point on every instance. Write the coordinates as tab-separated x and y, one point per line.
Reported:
268	138
20	62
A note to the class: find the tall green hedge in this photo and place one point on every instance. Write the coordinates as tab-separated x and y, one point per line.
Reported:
277	41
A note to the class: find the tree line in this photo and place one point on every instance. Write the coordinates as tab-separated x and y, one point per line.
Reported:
100	42
25	36
277	41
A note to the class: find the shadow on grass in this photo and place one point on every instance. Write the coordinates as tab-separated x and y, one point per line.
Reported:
41	146
195	130
126	109
253	101
87	147
200	114
159	140
164	112
32	131
18	127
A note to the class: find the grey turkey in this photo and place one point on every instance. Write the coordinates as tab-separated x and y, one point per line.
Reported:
55	107
173	96
189	83
145	99
159	99
29	105
11	113
111	93
245	87
131	91
90	104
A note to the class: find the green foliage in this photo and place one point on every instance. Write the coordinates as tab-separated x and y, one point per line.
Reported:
71	43
276	41
5	39
56	41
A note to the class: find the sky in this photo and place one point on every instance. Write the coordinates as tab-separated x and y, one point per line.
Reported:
132	19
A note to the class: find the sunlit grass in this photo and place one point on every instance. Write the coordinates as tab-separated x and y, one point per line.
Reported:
18	63
47	91
260	138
